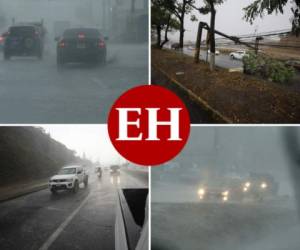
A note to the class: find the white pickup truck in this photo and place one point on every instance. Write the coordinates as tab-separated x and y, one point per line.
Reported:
68	178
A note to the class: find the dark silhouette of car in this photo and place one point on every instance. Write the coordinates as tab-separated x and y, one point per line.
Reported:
23	40
81	45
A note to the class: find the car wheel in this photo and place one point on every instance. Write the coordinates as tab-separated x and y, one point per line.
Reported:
86	182
40	55
53	191
60	63
76	187
6	56
232	57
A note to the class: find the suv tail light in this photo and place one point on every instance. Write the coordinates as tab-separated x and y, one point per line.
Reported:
101	44
81	35
62	44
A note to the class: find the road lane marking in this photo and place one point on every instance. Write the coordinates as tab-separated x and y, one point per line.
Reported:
62	226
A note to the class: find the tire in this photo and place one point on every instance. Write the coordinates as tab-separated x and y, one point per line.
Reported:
86	182
60	63
6	56
76	187
53	191
232	57
40	55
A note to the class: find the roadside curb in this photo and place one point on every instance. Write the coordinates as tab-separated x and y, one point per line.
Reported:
214	113
23	192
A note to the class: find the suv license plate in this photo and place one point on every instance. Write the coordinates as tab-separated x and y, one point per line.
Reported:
81	46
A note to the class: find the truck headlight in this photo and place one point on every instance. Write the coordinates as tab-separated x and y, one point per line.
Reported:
247	184
201	191
225	193
264	185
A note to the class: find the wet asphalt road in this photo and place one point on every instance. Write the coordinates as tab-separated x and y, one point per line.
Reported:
220	226
65	221
33	91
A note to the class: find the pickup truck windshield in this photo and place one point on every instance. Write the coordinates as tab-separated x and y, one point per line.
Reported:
67	171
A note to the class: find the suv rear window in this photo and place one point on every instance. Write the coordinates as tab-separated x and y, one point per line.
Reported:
74	33
22	30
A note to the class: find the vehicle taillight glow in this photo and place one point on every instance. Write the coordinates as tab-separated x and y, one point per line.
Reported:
81	36
101	44
62	44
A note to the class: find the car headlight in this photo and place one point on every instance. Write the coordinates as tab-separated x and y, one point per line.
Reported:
225	193
247	184
201	191
264	185
225	198
245	189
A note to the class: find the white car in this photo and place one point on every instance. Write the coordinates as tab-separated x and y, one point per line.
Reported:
68	178
239	55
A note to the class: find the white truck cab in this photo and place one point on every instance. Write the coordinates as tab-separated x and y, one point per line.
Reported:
68	178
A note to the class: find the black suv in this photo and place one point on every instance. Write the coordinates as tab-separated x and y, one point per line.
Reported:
24	40
81	45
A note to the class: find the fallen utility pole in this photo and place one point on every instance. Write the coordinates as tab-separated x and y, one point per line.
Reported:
203	25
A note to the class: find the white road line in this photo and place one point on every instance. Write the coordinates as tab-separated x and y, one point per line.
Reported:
62	226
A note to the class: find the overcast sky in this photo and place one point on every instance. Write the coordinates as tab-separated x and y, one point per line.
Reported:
229	19
93	140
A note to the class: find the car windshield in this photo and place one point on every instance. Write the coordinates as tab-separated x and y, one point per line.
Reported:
230	188
67	171
22	30
74	33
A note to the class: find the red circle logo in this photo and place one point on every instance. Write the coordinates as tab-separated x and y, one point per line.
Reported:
148	125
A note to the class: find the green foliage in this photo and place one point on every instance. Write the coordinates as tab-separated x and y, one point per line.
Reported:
259	7
160	12
268	68
28	153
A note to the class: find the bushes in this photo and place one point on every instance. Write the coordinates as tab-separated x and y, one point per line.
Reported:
268	68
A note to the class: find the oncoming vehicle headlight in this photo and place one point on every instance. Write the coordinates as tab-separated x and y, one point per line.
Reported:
225	193
225	198
245	189
247	184
201	191
264	185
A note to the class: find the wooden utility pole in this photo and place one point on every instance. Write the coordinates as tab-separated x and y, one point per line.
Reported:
257	39
212	36
198	41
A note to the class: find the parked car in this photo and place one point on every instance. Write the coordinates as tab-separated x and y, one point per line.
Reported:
81	45
24	40
239	55
68	178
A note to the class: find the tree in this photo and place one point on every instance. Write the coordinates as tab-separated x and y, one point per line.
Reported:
162	19
209	7
260	7
181	9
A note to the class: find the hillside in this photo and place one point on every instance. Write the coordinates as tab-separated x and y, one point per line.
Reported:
29	154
